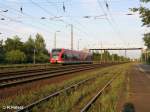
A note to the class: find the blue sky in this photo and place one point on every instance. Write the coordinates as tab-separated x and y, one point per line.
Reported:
111	28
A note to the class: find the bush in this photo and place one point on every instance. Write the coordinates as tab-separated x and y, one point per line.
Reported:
41	57
15	56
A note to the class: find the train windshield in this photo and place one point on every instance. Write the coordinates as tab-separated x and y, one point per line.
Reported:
55	53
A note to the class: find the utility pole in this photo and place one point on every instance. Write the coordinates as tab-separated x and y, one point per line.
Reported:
141	55
101	52
79	44
55	39
146	55
113	58
34	57
71	37
125	53
34	53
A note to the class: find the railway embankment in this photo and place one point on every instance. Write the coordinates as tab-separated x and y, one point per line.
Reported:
83	87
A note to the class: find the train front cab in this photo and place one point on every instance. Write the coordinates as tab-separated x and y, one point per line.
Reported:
55	56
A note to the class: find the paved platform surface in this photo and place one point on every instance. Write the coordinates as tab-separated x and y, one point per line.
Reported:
145	67
139	88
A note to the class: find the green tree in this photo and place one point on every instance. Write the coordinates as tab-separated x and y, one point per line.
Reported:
13	44
42	54
16	51
40	43
145	17
29	47
2	52
41	58
15	56
147	40
144	13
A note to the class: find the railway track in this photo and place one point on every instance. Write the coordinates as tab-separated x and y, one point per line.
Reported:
59	92
6	68
30	106
12	78
93	100
31	70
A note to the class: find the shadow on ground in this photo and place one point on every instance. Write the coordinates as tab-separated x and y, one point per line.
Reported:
128	107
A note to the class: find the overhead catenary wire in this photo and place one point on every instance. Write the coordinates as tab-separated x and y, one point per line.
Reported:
61	2
110	23
32	18
69	23
20	22
24	23
113	20
48	12
79	24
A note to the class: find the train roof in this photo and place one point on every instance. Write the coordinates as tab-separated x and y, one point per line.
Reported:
69	50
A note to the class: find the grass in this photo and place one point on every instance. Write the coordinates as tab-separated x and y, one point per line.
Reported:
72	98
15	67
108	101
24	99
66	101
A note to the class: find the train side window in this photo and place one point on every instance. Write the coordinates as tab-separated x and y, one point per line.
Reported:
69	55
64	56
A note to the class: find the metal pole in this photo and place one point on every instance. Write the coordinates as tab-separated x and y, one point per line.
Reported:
55	40
113	60
71	37
125	53
101	53
34	57
146	55
141	56
78	44
104	56
101	56
34	53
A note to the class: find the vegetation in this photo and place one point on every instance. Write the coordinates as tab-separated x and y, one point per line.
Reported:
75	100
84	91
145	16
107	57
14	51
15	56
107	102
147	40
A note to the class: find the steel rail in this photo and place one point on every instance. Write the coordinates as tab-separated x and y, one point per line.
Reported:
46	76
23	66
29	67
89	104
36	73
30	106
3	74
22	71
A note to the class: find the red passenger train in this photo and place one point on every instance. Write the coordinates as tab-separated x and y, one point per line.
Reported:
66	56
